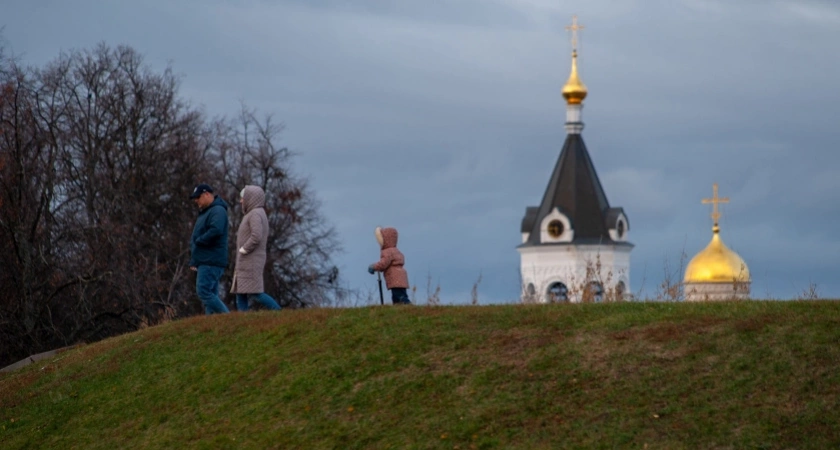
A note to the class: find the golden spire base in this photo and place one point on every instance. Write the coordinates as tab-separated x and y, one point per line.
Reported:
574	91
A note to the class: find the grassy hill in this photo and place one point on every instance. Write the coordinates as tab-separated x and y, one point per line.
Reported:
625	375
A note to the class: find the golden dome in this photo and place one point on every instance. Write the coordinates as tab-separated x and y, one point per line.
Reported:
716	264
574	91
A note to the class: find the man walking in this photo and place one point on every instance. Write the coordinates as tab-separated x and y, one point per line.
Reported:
208	247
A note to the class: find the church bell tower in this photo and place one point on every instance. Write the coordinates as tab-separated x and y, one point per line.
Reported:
574	245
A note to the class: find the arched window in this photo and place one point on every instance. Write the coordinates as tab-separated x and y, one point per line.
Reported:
620	290
558	292
530	293
594	292
531	289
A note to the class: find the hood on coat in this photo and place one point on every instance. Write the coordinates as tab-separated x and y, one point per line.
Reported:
387	237
252	197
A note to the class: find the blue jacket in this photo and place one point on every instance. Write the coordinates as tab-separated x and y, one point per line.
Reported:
209	242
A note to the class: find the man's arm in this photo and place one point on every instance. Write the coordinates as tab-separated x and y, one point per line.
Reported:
215	226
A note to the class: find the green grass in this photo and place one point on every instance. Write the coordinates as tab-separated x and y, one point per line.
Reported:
623	375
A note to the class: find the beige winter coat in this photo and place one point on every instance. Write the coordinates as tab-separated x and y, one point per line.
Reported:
251	240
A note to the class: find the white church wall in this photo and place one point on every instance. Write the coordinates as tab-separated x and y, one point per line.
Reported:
574	266
703	292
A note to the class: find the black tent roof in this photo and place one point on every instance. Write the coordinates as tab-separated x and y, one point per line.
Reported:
575	189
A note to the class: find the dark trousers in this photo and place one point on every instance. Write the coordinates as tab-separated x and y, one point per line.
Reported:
399	296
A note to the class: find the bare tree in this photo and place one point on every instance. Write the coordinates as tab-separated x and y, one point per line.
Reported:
128	152
29	277
299	270
98	155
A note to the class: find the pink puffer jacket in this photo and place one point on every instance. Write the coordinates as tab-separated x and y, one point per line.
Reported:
391	260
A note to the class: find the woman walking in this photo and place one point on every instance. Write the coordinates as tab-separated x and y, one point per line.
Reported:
251	241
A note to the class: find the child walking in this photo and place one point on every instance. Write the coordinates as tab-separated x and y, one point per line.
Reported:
391	262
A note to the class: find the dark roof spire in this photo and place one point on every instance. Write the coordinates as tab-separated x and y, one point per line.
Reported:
574	188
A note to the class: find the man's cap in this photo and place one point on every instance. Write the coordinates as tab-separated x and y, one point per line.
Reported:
200	189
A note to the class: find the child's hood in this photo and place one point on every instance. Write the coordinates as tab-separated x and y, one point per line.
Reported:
387	237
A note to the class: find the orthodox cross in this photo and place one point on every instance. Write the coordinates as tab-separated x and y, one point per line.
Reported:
715	200
574	28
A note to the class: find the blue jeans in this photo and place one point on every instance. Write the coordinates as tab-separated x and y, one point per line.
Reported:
263	299
207	288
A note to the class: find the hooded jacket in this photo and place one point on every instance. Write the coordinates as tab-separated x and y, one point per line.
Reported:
251	241
208	245
391	260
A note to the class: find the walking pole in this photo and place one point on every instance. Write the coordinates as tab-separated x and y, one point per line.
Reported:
379	279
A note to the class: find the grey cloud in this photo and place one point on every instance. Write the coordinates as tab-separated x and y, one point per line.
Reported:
445	118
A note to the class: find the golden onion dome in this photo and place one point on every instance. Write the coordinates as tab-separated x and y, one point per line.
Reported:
574	90
716	264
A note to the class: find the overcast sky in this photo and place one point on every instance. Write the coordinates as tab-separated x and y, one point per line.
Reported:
445	119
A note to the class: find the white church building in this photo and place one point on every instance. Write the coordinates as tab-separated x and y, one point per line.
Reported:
574	246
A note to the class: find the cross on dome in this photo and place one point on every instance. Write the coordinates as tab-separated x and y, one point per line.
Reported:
574	28
715	200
